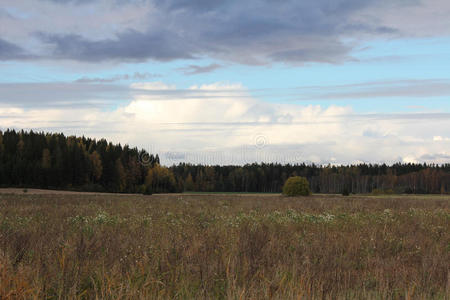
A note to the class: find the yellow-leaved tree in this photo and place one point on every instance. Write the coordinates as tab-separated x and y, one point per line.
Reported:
160	180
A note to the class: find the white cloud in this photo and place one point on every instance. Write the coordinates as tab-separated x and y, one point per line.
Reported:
410	159
152	86
439	138
237	128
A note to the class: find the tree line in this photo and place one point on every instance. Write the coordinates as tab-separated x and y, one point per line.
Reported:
43	160
363	178
46	160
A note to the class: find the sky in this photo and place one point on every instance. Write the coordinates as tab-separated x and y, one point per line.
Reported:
234	82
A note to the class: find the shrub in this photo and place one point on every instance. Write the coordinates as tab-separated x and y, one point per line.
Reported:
296	186
345	192
92	187
147	190
378	192
389	191
409	190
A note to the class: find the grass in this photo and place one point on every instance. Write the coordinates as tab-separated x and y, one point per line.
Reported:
228	193
79	246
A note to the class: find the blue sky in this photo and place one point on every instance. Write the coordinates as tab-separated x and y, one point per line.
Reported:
326	81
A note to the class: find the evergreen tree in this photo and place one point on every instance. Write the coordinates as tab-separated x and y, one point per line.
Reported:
189	183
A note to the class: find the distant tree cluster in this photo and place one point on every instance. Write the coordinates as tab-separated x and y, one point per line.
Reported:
40	160
44	160
362	178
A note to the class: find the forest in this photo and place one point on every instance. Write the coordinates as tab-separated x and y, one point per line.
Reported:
54	161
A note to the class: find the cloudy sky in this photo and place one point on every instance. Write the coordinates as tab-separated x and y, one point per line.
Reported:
232	82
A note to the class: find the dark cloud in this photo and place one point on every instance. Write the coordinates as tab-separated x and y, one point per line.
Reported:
83	2
128	46
72	1
249	32
9	51
197	5
329	52
193	69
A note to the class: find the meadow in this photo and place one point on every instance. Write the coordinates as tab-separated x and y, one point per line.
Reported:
200	246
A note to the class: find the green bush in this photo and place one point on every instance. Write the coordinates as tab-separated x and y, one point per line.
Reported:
296	186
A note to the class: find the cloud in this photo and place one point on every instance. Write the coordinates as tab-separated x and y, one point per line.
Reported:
226	128
194	70
439	138
118	77
103	91
412	18
374	133
71	1
9	51
130	46
324	51
152	86
250	32
443	157
378	89
58	94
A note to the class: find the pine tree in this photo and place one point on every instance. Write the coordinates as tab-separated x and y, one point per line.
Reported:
46	159
96	164
189	183
120	176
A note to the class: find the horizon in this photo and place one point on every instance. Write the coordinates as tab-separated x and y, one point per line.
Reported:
172	159
337	83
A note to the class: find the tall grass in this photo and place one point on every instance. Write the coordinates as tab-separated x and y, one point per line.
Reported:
223	247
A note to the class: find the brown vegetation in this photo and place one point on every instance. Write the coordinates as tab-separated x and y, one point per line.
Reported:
223	246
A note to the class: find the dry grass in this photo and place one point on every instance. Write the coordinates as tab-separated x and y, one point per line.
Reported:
223	247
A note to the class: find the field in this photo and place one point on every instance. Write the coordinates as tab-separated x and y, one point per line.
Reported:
198	246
